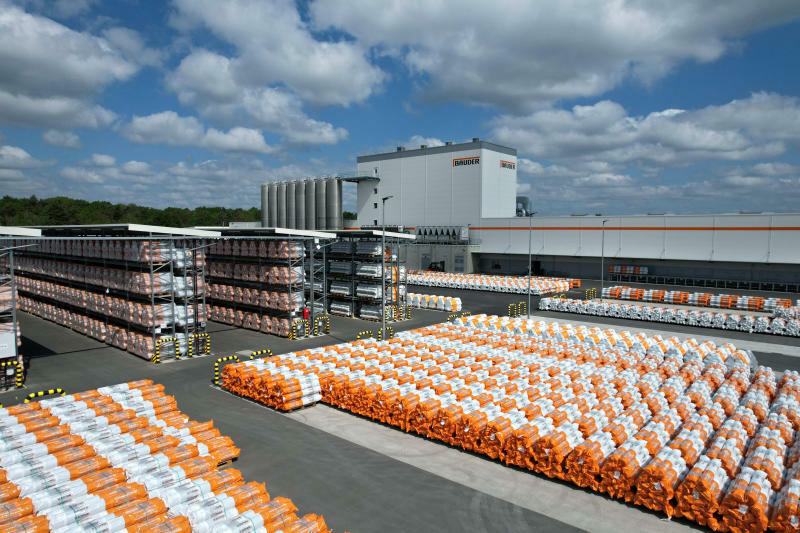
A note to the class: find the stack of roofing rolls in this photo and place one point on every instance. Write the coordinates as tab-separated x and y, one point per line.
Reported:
683	427
487	282
123	458
431	301
707	319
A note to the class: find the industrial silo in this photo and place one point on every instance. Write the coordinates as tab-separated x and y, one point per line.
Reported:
272	216
311	205
339	211
300	205
290	223
319	195
281	222
264	204
332	204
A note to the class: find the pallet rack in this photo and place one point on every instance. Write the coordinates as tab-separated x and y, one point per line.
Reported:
12	367
355	272
306	295
160	318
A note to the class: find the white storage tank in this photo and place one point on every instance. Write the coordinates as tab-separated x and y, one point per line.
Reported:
320	199
281	222
300	205
290	202
264	204
311	205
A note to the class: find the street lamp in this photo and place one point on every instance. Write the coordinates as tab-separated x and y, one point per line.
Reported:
530	270
383	264
602	257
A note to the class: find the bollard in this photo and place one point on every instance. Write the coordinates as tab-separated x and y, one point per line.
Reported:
205	336
266	352
41	393
157	350
215	381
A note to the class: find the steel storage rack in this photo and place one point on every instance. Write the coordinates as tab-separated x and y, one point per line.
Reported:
262	279
138	288
12	367
355	274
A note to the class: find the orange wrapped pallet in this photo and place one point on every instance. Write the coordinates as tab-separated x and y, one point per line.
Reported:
687	428
123	458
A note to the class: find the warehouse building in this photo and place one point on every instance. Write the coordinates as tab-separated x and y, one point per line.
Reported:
460	200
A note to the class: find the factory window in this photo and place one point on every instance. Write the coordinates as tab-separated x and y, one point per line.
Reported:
375	222
376	190
375	205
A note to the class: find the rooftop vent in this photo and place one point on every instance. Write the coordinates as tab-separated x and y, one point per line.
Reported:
475	139
448	143
423	146
400	148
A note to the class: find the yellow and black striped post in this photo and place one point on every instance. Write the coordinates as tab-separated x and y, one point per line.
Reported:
465	313
207	345
389	332
364	334
49	392
258	353
522	308
157	350
217	363
452	317
326	329
591	294
18	372
19	378
512	309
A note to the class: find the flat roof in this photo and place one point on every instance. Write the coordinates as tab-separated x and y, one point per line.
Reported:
291	232
374	233
20	232
471	145
107	229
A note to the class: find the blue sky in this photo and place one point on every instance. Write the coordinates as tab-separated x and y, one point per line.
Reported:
615	107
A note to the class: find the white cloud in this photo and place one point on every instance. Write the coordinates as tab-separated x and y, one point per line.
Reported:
81	175
137	168
50	74
168	127
100	160
14	157
523	55
10	174
418	140
131	45
208	82
756	127
64	139
275	47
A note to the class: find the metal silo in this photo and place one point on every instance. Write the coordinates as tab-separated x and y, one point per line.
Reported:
300	205
319	195
281	223
340	210
311	205
290	223
332	204
264	204
272	216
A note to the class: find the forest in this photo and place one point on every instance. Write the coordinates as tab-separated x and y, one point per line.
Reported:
61	210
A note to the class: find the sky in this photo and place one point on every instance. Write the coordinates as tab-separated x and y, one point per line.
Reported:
615	107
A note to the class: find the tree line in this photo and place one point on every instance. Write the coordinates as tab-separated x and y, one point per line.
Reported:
61	210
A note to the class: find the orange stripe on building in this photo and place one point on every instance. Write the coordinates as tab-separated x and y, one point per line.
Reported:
641	228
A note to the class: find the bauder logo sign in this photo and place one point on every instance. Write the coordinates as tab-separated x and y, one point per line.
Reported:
466	161
508	164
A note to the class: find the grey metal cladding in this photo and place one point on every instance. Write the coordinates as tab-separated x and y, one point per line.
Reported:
438	150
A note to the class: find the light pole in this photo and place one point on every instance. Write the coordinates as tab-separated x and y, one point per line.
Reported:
530	270
602	257
383	264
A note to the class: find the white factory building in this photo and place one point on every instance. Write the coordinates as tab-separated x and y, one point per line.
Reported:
460	200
